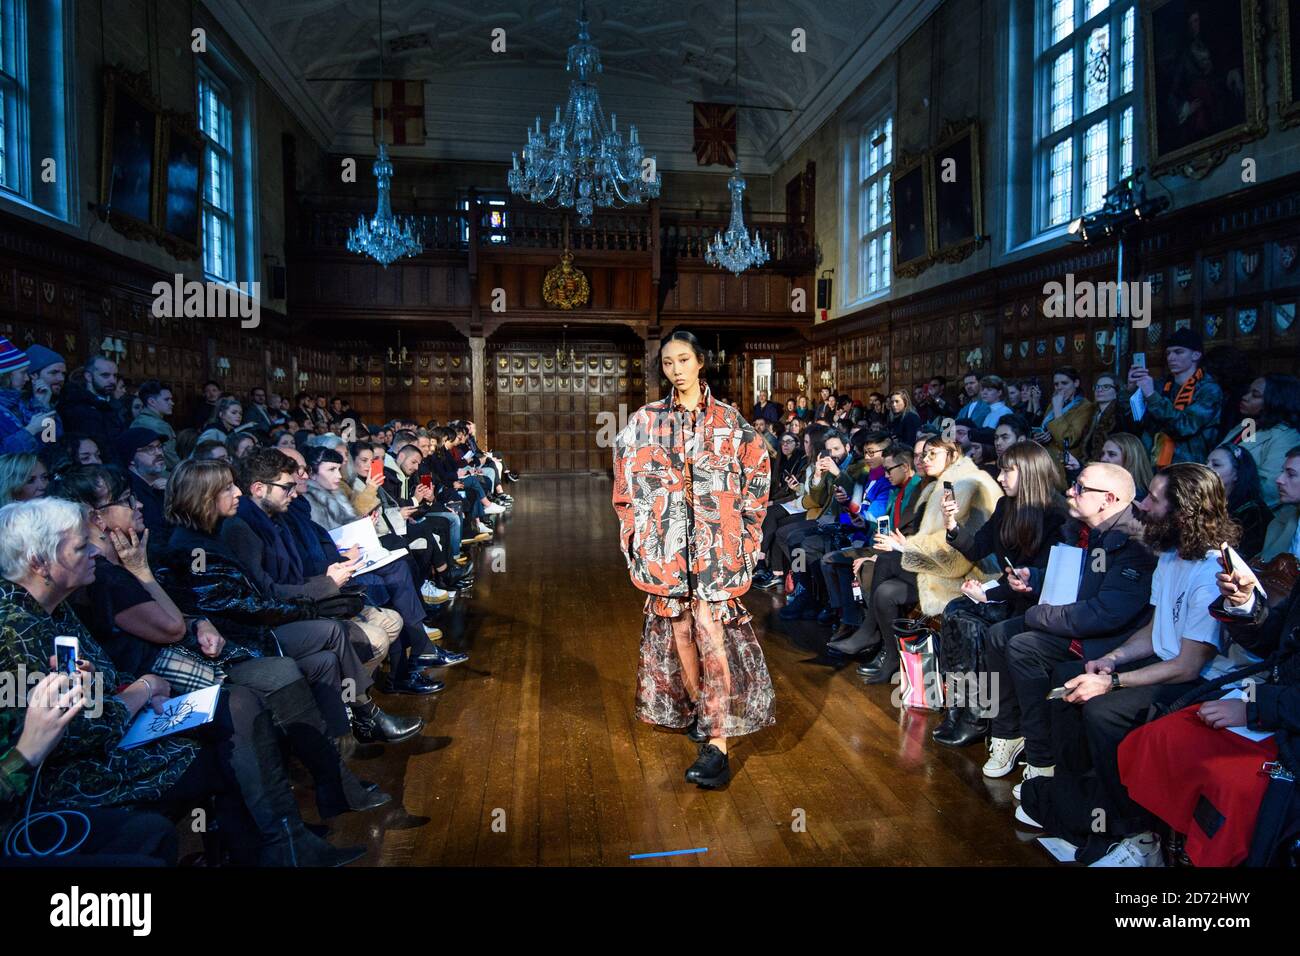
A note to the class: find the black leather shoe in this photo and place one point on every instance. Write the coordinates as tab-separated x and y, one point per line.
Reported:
965	730
711	768
441	657
881	669
876	662
693	731
414	683
843	631
372	725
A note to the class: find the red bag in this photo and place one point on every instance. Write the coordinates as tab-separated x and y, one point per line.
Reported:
1203	782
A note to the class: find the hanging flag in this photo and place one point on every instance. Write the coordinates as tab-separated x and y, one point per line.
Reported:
715	134
402	105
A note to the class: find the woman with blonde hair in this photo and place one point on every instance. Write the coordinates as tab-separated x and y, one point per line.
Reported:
1128	452
22	477
904	422
930	570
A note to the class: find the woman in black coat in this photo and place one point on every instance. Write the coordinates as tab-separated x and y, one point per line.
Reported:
1024	524
904	423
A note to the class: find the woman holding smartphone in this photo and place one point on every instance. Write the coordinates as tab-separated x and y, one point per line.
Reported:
1019	534
690	489
787	484
1066	422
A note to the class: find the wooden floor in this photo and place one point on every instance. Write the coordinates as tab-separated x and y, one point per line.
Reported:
532	754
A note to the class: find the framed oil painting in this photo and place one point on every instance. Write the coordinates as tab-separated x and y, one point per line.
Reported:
911	226
179	212
1204	89
128	173
956	211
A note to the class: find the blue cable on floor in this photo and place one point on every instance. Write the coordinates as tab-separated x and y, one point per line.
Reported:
24	828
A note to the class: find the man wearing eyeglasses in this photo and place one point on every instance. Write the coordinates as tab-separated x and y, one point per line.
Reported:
140	452
1112	602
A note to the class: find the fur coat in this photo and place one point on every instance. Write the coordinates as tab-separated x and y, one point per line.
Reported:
940	568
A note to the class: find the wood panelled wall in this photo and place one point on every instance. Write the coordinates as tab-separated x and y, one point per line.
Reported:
545	412
434	384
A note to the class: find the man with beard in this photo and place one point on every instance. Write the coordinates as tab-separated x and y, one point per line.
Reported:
1114	590
1185	517
208	407
140	452
48	369
87	405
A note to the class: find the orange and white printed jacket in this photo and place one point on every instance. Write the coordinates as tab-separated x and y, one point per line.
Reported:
690	490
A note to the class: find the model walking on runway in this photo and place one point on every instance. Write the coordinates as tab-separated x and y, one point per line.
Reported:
690	488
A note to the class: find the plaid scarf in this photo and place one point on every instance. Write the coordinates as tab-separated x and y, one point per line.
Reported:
1165	444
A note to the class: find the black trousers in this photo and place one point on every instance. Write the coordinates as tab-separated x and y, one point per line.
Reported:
1020	664
892	591
1087	737
327	659
775	519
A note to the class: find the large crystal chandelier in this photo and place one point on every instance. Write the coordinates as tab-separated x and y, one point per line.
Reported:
581	162
385	237
736	250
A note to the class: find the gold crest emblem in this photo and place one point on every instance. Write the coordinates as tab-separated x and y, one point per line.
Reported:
564	286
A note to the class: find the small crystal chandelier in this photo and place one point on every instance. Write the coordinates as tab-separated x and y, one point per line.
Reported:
385	237
581	162
736	250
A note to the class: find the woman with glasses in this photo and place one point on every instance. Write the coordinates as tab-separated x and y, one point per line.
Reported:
1110	414
1236	469
1128	452
1025	523
1066	422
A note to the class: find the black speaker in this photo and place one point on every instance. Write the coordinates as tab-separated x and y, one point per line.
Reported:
278	282
823	293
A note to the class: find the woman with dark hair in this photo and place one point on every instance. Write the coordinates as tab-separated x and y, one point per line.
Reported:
790	413
1272	403
1236	469
690	489
1064	430
788	479
1020	533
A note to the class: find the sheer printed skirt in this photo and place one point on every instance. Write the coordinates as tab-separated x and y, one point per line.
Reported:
734	693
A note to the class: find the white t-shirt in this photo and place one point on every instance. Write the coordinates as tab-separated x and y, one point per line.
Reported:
1181	593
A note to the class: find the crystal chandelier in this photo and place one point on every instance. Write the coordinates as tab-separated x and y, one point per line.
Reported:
736	250
385	237
581	161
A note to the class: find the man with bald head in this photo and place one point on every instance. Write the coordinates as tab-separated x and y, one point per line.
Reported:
1113	601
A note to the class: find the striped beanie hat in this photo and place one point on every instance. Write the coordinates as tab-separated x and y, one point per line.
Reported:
12	358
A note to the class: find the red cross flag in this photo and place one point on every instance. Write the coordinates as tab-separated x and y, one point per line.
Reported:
401	103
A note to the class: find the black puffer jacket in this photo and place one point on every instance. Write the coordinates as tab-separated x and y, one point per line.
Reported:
213	585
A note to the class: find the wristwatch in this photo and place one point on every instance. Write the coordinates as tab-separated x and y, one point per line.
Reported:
1114	681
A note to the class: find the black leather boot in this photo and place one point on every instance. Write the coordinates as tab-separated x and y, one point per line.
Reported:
710	770
945	728
258	766
968	729
372	725
693	731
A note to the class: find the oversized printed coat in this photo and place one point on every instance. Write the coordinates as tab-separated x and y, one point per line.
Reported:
705	534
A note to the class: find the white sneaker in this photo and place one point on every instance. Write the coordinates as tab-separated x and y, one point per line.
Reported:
432	594
483	528
1003	753
433	633
1026	819
492	508
1030	773
1140	850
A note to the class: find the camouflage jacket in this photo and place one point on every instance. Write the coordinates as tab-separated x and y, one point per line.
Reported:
690	490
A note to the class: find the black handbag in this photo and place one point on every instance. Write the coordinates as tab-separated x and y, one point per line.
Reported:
342	606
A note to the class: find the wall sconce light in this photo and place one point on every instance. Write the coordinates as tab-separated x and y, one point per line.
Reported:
278	374
303	378
223	366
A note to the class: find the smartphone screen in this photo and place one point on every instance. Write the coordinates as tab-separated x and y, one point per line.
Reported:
1139	359
882	525
66	652
426	481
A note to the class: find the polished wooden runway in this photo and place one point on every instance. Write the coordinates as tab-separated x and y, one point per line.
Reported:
532	755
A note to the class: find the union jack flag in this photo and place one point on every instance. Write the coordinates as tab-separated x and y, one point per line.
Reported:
715	134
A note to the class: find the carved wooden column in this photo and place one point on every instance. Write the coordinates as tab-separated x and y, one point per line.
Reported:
477	348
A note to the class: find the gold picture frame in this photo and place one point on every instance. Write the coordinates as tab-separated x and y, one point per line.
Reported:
908	191
956	208
1288	33
1196	158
